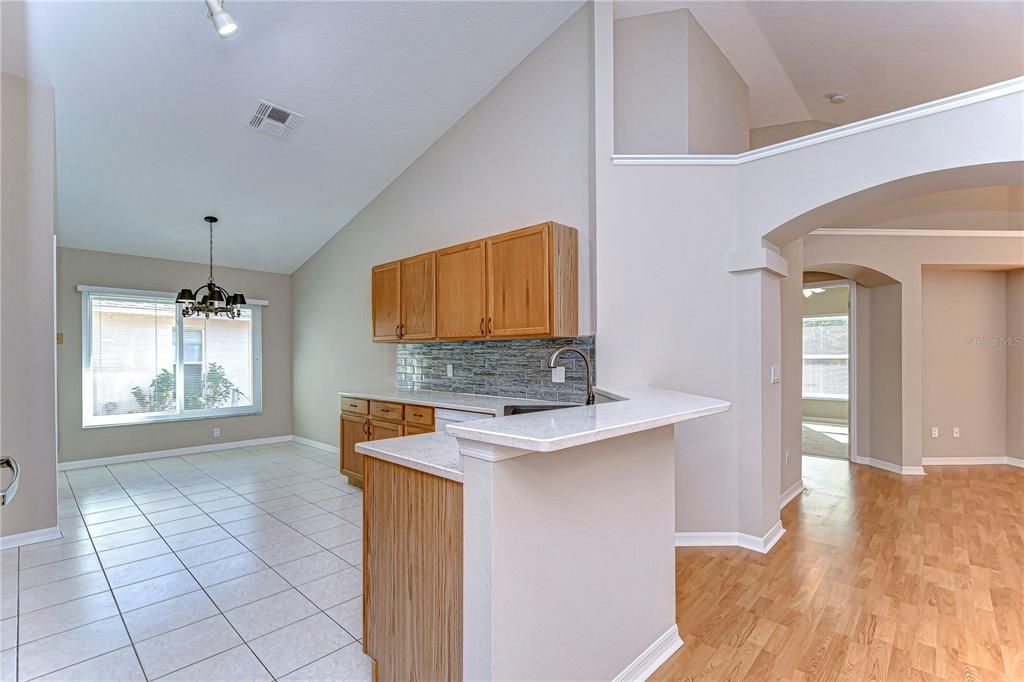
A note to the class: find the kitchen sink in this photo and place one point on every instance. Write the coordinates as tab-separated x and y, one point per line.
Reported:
527	409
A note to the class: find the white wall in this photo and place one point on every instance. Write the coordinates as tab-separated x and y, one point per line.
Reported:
718	101
96	268
885	441
28	412
521	156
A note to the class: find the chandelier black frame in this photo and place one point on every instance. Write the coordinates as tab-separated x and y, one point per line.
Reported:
216	300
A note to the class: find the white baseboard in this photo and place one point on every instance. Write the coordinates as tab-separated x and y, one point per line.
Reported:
316	444
651	659
791	494
726	539
971	461
175	452
32	536
889	466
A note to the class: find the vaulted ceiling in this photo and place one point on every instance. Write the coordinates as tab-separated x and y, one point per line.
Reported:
153	108
885	55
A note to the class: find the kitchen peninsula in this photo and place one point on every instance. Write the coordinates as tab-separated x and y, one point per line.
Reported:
489	548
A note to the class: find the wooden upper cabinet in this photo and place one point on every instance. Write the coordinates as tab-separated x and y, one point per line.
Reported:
461	291
521	284
386	301
532	287
417	285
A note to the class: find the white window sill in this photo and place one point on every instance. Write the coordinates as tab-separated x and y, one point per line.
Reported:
171	418
825	399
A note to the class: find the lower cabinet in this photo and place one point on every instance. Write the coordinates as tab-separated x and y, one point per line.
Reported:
363	419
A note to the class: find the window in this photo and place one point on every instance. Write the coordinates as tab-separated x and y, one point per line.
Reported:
826	346
142	361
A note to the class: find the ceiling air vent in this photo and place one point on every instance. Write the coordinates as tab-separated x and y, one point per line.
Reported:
273	120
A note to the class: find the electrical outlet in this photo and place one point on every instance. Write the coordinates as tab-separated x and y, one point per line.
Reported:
451	370
558	375
787	455
935	432
775	374
216	432
956	432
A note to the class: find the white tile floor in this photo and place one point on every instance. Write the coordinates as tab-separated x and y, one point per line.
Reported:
240	564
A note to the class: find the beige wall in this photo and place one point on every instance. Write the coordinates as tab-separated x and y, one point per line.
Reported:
718	99
903	258
792	357
27	410
964	381
1015	364
885	440
675	92
768	135
651	84
519	157
75	267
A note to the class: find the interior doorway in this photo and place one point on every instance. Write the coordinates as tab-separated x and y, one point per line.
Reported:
826	368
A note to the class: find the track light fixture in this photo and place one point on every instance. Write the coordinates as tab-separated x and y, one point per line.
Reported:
222	21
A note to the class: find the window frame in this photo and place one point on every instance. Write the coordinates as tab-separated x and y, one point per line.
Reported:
90	421
827	356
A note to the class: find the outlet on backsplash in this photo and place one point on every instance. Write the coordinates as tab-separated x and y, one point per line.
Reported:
515	368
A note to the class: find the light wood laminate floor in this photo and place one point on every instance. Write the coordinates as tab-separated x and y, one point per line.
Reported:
878	577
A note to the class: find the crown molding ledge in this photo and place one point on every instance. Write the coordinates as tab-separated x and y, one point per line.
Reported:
910	232
1009	87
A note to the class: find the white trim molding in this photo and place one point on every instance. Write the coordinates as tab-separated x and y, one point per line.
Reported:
910	232
888	466
758	259
971	461
30	537
728	539
175	452
791	493
963	99
653	656
316	444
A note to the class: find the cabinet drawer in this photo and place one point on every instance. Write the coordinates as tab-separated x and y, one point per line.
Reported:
388	411
416	429
417	414
355	406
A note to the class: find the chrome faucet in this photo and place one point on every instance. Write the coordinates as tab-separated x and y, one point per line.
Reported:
553	361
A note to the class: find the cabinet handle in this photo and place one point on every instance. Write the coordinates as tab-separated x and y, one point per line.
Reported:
482	326
366	428
401	330
398	330
490	327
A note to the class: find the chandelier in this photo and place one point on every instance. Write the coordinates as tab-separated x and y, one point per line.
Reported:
216	300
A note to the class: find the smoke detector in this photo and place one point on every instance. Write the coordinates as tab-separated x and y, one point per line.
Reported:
274	120
837	97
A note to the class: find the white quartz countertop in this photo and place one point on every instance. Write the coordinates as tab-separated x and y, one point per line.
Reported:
636	409
469	402
433	453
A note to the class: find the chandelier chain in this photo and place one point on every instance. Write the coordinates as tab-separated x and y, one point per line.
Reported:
211	253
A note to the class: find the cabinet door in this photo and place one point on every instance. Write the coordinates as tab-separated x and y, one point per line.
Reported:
418	297
386	301
462	291
380	430
416	429
519	283
353	430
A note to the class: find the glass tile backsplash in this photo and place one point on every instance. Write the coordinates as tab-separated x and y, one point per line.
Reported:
515	368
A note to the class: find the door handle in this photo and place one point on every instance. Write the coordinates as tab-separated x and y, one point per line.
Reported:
7	494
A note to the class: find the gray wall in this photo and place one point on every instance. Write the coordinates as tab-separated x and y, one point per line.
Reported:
516	368
95	268
517	158
886	387
26	313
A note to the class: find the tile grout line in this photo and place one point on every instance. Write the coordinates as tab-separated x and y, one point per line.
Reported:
161	475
